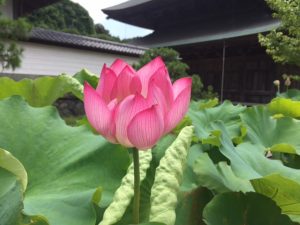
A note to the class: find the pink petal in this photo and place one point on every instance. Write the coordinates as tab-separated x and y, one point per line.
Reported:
157	97
106	83
121	88
118	65
135	85
181	84
112	106
127	109
97	112
147	71
178	109
162	80
146	128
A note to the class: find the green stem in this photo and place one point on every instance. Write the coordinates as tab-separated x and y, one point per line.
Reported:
136	200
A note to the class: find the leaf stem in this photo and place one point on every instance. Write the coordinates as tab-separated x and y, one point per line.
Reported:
136	200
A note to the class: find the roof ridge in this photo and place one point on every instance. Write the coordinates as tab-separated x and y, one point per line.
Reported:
90	38
81	41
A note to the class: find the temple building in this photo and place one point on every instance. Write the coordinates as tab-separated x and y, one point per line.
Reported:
216	38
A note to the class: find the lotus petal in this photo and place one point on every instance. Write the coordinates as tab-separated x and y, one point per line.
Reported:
121	88
181	84
156	97
146	72
98	112
146	128
106	83
162	80
127	109
118	65
178	109
135	85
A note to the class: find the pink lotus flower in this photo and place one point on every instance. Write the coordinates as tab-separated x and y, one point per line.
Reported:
136	108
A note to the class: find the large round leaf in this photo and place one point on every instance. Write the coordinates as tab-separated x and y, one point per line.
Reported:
41	91
248	161
13	178
291	93
190	206
86	76
13	165
243	209
286	107
10	198
66	166
285	192
226	112
218	177
274	134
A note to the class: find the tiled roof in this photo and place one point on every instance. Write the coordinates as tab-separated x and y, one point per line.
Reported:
79	41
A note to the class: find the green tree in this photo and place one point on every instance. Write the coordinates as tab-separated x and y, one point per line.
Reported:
69	17
63	16
103	33
10	32
176	68
171	58
100	29
283	43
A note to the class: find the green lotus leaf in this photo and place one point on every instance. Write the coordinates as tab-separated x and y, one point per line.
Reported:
186	121
248	161
290	160
13	165
33	220
194	105
125	192
237	209
190	206
210	103
204	104
220	177
85	75
226	112
13	184
151	223
189	179
11	196
286	107
280	135
285	192
67	167
291	93
239	139
168	177
41	91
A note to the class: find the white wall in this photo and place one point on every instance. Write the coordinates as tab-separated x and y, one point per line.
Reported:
7	9
41	59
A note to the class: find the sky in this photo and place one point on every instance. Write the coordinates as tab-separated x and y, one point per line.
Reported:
116	28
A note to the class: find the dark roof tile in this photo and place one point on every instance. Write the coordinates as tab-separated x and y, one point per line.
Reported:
79	41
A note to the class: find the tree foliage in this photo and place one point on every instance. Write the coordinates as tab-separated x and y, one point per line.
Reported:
100	29
69	17
10	32
63	16
283	43
177	69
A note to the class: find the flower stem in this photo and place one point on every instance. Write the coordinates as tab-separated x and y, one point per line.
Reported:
136	200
